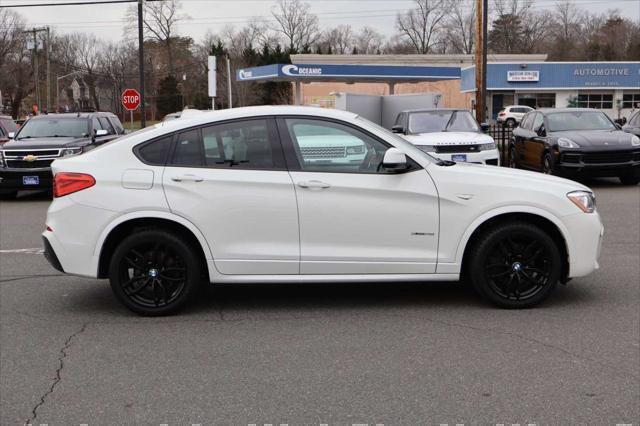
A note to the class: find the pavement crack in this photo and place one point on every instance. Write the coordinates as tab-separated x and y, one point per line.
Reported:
58	376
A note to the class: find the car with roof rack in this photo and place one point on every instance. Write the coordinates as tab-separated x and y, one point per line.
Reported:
25	161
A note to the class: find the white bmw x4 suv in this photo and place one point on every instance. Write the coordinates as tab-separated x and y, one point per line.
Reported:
233	196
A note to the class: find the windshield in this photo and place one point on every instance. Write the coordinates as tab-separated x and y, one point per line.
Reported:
54	127
407	146
442	121
579	120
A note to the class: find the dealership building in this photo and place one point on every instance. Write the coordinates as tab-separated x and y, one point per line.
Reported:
613	87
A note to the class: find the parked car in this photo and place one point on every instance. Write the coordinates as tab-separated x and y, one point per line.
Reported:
7	127
512	115
448	134
633	125
169	207
575	142
25	161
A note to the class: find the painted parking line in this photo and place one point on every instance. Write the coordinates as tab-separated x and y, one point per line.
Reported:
23	251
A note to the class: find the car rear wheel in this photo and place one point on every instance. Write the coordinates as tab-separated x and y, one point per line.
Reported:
629	180
510	122
154	272
515	265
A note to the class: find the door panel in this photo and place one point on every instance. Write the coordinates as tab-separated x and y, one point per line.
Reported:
367	223
229	180
355	218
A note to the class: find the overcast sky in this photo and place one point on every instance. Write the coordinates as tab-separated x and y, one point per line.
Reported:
106	21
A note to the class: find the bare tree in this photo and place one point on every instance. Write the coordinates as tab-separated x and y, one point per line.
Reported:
517	8
160	20
296	23
461	27
339	39
11	26
423	24
369	41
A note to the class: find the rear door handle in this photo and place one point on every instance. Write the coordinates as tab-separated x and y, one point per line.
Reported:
314	184
187	178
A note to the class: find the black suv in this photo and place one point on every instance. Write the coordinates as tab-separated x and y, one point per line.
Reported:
575	142
25	161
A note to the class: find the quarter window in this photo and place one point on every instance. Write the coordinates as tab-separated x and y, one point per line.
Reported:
155	152
325	146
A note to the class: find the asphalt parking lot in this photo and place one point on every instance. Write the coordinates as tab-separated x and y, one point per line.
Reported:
337	354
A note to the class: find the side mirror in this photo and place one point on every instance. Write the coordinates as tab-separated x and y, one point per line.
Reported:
394	160
11	135
618	126
101	132
397	129
541	131
485	127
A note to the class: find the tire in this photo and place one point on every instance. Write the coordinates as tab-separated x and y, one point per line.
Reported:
513	161
547	164
629	180
515	265
510	123
154	272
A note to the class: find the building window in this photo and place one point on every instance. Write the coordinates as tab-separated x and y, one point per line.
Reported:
595	100
537	100
631	100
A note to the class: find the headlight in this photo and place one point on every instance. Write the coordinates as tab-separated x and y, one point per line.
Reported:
567	143
71	151
585	200
487	146
355	150
426	148
635	141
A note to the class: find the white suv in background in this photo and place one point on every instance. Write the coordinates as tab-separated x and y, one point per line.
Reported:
233	196
448	134
512	115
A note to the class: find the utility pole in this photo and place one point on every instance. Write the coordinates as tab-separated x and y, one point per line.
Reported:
481	59
36	72
143	121
229	82
48	70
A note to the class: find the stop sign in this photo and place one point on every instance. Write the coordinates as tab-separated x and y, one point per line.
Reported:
130	99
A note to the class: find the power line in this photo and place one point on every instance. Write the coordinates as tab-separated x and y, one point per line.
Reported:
79	3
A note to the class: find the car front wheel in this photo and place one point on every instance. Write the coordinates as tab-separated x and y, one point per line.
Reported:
154	272
515	265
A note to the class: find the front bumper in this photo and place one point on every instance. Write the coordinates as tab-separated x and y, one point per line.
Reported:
595	164
17	179
489	157
586	232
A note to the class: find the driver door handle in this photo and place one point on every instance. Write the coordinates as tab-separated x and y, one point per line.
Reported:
187	178
314	184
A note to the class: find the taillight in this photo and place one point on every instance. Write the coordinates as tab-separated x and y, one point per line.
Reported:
67	183
502	114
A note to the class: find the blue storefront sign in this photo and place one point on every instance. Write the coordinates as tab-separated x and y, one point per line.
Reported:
329	72
557	76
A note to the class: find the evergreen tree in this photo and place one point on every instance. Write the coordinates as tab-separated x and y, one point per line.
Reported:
169	98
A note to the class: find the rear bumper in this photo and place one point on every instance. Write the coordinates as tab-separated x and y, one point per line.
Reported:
12	179
50	255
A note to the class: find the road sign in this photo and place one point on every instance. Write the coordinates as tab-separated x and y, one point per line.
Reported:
130	99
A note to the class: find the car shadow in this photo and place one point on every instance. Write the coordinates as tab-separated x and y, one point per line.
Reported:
41	195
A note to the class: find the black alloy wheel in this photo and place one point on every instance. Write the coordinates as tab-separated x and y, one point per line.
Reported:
154	272
511	123
516	265
547	164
